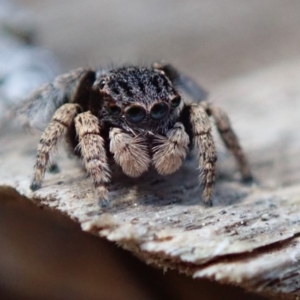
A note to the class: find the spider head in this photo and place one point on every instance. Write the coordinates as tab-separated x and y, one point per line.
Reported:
139	99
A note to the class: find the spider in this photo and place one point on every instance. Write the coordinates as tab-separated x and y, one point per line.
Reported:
133	115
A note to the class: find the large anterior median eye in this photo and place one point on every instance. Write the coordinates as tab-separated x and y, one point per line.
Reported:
135	114
159	111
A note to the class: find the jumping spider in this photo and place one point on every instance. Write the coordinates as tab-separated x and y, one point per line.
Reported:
133	114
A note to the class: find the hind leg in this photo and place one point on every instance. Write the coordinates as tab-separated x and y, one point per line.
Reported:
230	139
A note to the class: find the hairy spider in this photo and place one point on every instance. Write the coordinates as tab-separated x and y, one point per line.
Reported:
133	114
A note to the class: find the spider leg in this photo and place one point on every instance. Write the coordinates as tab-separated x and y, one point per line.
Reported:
53	168
204	143
130	152
187	84
37	110
61	120
230	139
170	150
91	146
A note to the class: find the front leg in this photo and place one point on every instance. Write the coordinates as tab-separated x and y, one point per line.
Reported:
204	143
130	152
170	150
91	146
61	120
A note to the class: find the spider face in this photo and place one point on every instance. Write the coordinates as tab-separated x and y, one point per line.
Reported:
139	99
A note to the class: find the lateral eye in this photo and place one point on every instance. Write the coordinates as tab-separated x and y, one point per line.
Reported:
159	111
135	114
102	84
114	110
175	102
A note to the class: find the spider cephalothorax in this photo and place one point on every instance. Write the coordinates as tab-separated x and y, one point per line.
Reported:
138	99
134	114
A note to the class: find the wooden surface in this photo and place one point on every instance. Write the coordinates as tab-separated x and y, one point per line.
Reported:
45	255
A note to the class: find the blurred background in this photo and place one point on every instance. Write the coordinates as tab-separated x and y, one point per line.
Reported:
42	254
210	40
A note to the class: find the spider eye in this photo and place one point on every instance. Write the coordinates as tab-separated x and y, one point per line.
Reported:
102	83
135	113
114	110
159	111
175	102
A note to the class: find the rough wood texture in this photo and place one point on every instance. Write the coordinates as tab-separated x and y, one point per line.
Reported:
251	235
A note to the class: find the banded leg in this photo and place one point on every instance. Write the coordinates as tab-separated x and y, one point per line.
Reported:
61	119
204	142
91	146
130	152
230	139
170	150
